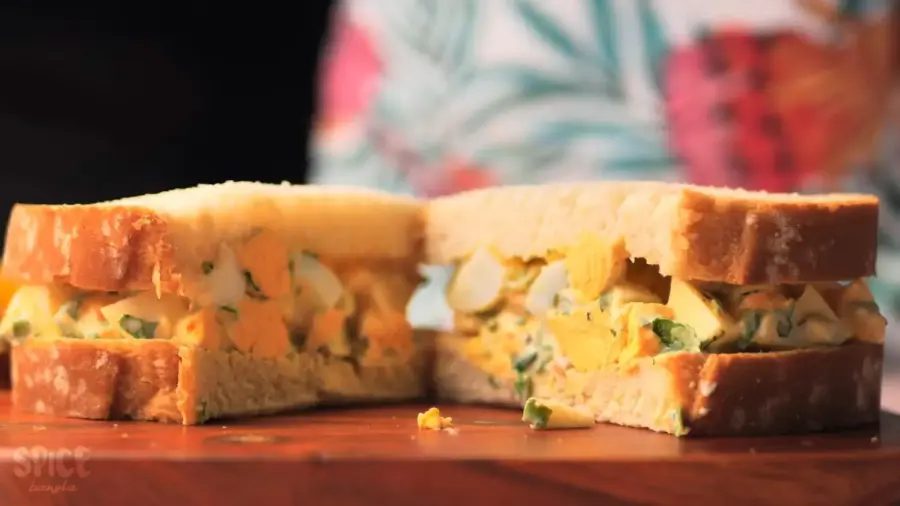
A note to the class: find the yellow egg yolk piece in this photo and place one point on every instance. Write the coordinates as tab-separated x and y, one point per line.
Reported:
586	338
266	260
387	330
594	265
433	420
326	326
201	329
258	320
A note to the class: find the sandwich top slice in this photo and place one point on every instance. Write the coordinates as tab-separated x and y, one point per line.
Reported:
677	308
214	301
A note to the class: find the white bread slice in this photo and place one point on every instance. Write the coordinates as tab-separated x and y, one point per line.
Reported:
690	232
159	241
697	394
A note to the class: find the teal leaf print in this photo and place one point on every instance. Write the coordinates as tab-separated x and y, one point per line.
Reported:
637	145
655	44
544	25
528	85
605	26
439	32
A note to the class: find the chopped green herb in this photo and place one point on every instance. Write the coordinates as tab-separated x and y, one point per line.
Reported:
492	381
492	325
253	291
751	320
523	386
352	326
297	339
675	336
291	266
677	418
137	327
525	360
207	267
229	309
203	410
784	324
21	328
605	300
359	346
536	414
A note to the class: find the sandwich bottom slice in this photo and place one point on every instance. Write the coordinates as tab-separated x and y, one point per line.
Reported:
568	303
686	393
173	307
164	381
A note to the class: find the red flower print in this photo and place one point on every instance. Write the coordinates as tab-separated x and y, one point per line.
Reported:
774	111
350	73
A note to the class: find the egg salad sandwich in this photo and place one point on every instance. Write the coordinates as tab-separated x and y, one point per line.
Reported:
216	301
681	309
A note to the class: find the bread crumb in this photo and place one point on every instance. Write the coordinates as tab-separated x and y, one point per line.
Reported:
433	420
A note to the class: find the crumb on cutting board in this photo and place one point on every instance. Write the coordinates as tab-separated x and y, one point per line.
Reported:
433	420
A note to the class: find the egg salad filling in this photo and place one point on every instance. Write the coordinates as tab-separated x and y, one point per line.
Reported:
590	307
255	296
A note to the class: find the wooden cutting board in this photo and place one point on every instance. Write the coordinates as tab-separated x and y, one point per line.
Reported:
378	456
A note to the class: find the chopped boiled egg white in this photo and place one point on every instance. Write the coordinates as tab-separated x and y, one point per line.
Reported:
146	316
616	299
225	281
30	311
325	283
813	322
544	414
552	280
433	420
858	310
477	285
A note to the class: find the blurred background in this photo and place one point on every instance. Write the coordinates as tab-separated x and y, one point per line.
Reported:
435	96
100	101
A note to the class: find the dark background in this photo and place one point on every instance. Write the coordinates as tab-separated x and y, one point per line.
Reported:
101	101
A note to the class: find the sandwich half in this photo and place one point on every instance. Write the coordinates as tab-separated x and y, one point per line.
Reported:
680	309
216	301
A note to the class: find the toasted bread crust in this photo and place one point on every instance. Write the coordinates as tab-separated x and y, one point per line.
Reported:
699	394
690	232
159	380
93	248
782	393
159	241
97	380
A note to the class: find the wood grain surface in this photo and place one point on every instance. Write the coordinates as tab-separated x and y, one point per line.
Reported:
378	456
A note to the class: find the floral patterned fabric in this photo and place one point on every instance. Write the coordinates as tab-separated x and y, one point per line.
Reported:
432	97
